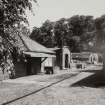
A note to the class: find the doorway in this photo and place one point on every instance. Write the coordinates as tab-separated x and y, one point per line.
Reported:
66	61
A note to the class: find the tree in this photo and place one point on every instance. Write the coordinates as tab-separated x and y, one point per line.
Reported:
61	31
74	32
12	13
36	34
100	37
44	34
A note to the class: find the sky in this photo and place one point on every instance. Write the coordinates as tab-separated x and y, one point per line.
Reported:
56	9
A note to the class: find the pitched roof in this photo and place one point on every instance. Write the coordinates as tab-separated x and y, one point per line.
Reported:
33	46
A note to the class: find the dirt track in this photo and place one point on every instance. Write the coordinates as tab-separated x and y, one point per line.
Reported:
83	89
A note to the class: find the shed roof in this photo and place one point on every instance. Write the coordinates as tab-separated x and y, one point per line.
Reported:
33	46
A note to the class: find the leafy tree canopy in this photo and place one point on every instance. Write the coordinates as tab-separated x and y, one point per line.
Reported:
12	14
73	32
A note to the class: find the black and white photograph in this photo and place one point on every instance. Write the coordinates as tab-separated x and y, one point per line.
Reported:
52	52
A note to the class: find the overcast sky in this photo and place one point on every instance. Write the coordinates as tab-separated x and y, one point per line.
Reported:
56	9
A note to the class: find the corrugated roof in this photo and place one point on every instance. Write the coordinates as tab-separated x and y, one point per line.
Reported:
33	46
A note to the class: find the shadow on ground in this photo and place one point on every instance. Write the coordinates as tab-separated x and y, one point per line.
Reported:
96	80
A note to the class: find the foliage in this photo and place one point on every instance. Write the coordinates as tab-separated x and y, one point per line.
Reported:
100	33
12	13
80	33
74	32
44	34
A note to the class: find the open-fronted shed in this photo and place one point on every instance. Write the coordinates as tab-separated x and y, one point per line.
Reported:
34	52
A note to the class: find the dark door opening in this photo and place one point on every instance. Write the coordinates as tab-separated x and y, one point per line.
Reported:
66	61
29	72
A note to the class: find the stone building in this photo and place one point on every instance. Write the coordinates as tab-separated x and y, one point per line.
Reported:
84	58
63	57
